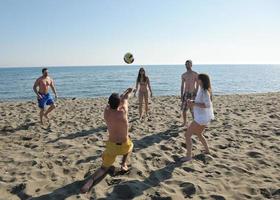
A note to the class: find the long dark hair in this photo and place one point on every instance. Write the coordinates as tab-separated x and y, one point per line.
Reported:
139	75
206	84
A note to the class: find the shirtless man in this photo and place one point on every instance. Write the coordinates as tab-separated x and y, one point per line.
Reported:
189	87
43	96
119	143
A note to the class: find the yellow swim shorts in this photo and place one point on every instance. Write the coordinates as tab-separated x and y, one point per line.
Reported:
113	150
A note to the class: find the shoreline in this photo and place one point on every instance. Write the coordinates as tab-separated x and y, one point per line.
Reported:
104	97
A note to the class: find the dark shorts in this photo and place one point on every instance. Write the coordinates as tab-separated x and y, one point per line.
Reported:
45	100
186	96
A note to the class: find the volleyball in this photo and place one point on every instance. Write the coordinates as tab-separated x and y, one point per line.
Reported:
128	58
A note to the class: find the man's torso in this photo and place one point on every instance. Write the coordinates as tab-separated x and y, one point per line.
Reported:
44	84
190	79
117	125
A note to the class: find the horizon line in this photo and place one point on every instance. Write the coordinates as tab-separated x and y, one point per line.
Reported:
118	65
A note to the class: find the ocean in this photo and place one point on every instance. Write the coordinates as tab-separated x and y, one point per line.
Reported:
100	81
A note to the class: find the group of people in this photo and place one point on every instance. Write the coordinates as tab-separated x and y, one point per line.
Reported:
196	95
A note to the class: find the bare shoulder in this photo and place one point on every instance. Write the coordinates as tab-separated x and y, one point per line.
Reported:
106	112
184	75
50	79
195	73
39	79
107	108
122	110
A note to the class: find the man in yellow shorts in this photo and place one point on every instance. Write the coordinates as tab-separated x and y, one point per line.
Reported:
119	142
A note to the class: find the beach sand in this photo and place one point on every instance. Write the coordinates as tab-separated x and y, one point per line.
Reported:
50	162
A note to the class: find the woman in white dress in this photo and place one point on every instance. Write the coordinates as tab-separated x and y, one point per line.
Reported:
203	114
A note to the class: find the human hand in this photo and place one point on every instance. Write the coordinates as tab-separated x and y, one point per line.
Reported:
39	96
190	103
129	90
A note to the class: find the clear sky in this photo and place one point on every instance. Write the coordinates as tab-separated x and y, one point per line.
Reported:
99	32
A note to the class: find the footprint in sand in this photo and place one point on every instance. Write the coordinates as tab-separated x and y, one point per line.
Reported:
113	181
217	197
254	154
188	169
165	148
188	189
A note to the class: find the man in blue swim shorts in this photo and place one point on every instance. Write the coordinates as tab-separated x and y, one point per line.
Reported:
43	96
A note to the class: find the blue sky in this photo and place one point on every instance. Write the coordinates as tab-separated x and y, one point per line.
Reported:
99	32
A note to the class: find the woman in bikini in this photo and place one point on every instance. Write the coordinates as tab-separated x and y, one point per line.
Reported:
203	114
143	84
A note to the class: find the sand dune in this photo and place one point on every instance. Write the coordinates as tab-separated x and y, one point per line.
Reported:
50	161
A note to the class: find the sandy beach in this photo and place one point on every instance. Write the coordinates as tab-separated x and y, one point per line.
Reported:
51	161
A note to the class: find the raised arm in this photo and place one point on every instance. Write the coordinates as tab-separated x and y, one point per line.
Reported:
124	98
53	88
149	85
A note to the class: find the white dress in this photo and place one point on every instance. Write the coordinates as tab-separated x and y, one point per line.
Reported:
203	116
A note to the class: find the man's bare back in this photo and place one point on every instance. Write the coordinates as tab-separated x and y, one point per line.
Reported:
117	124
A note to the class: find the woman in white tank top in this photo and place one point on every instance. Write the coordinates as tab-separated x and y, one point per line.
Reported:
203	114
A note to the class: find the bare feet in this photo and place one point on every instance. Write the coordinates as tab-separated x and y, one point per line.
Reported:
186	159
87	186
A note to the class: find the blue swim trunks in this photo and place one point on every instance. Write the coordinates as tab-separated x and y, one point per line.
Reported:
46	100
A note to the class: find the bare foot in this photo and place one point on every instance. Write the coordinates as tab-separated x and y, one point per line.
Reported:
46	116
186	159
87	186
124	167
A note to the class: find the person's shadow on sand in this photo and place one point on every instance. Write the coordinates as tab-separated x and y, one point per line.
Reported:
125	190
25	126
82	133
151	138
134	188
59	194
